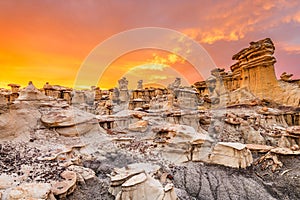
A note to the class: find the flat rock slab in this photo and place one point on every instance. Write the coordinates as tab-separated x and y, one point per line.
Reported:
66	118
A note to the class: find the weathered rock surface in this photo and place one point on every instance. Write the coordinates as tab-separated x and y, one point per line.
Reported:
135	182
89	144
33	191
231	154
251	78
31	93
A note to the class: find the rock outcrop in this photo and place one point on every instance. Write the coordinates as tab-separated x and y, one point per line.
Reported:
137	182
252	77
31	93
234	138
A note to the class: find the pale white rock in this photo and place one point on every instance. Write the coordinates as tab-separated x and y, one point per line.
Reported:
182	143
85	173
31	93
6	181
231	154
139	126
64	118
34	191
77	130
19	121
137	179
170	193
139	184
151	189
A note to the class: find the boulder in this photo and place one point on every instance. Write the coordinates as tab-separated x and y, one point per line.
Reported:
135	182
19	122
259	147
139	126
182	143
32	191
231	154
65	118
65	187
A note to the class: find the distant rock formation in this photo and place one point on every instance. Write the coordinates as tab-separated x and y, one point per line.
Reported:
31	93
252	77
255	69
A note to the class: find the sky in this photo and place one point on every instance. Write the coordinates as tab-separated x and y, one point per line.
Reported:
49	40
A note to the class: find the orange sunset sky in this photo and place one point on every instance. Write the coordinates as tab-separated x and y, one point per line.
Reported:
48	40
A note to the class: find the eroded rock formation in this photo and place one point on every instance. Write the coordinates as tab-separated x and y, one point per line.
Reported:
234	138
253	77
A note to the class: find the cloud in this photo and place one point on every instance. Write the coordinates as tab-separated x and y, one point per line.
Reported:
291	49
152	66
292	18
157	77
167	60
233	21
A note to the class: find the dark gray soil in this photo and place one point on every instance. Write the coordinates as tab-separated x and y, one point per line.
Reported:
195	180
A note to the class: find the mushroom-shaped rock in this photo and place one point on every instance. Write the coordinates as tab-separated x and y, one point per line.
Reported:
140	189
31	93
66	118
65	187
137	179
77	130
139	184
122	176
285	76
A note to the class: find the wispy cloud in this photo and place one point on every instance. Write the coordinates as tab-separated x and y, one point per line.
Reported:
292	18
151	66
291	49
168	59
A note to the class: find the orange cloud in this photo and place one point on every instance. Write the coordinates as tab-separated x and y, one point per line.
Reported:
151	63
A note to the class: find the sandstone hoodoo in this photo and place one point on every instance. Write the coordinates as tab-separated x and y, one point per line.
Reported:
253	76
234	136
